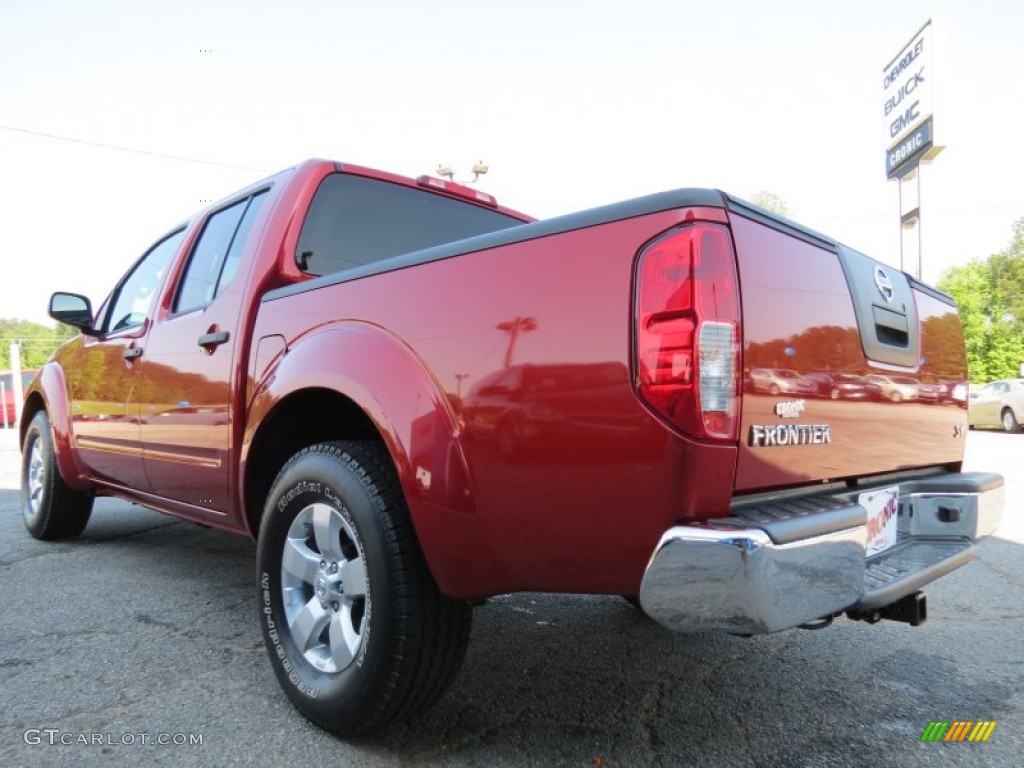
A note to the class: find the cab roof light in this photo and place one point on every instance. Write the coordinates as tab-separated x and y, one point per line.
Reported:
458	190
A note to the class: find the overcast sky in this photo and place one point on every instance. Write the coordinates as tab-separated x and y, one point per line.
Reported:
573	104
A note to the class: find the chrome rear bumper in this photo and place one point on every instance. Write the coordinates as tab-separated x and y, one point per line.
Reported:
757	571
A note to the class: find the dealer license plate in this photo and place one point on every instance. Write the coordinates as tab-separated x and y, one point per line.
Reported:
883	518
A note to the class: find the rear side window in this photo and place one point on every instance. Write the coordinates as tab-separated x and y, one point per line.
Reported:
216	255
234	257
354	221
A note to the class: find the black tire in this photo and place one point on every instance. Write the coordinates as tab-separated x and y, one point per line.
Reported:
385	646
773	389
1009	421
51	510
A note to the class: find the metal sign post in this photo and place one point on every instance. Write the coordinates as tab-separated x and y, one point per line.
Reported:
908	120
910	223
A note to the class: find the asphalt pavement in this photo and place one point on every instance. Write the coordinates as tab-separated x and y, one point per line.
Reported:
145	630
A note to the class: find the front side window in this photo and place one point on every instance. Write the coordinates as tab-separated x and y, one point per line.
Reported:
354	221
133	298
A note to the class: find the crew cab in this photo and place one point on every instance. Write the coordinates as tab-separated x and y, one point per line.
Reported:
414	398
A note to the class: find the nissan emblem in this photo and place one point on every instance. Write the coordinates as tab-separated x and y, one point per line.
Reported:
884	284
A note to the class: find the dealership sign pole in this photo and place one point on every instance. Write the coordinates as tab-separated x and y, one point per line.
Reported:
908	118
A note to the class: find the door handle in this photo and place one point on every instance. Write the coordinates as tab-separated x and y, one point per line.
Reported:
131	353
213	339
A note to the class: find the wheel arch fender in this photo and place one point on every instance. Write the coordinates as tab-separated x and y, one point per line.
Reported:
49	393
355	380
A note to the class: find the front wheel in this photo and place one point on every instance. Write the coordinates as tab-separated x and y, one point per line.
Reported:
357	631
51	510
1009	419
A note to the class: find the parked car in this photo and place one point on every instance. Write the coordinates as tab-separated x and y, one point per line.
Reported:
525	408
949	391
896	389
929	392
997	405
844	386
777	381
7	406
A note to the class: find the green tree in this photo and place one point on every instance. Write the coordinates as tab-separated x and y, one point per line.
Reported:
37	341
990	295
770	202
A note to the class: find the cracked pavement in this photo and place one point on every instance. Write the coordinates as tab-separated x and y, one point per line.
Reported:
149	625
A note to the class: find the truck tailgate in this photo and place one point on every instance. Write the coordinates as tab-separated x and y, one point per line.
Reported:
817	319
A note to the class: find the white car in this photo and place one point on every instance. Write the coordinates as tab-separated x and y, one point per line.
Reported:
999	404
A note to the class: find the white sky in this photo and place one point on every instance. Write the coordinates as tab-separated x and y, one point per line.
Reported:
573	104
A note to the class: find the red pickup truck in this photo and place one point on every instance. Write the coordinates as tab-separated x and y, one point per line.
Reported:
414	398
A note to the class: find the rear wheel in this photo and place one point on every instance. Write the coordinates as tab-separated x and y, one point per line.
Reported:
1009	420
51	510
358	633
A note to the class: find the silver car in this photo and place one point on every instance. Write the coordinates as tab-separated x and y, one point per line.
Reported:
896	389
997	405
776	381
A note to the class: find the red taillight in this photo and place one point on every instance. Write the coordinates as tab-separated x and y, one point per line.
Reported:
687	317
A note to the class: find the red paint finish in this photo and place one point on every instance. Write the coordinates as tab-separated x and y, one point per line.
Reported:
502	381
524	387
103	392
112	436
50	393
798	318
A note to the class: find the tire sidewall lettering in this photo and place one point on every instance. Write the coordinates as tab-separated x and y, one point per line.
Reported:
301	487
274	636
412	639
303	677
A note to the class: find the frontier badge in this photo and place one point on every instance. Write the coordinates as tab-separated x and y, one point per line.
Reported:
778	435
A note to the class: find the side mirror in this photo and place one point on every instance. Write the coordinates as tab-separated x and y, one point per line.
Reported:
74	310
